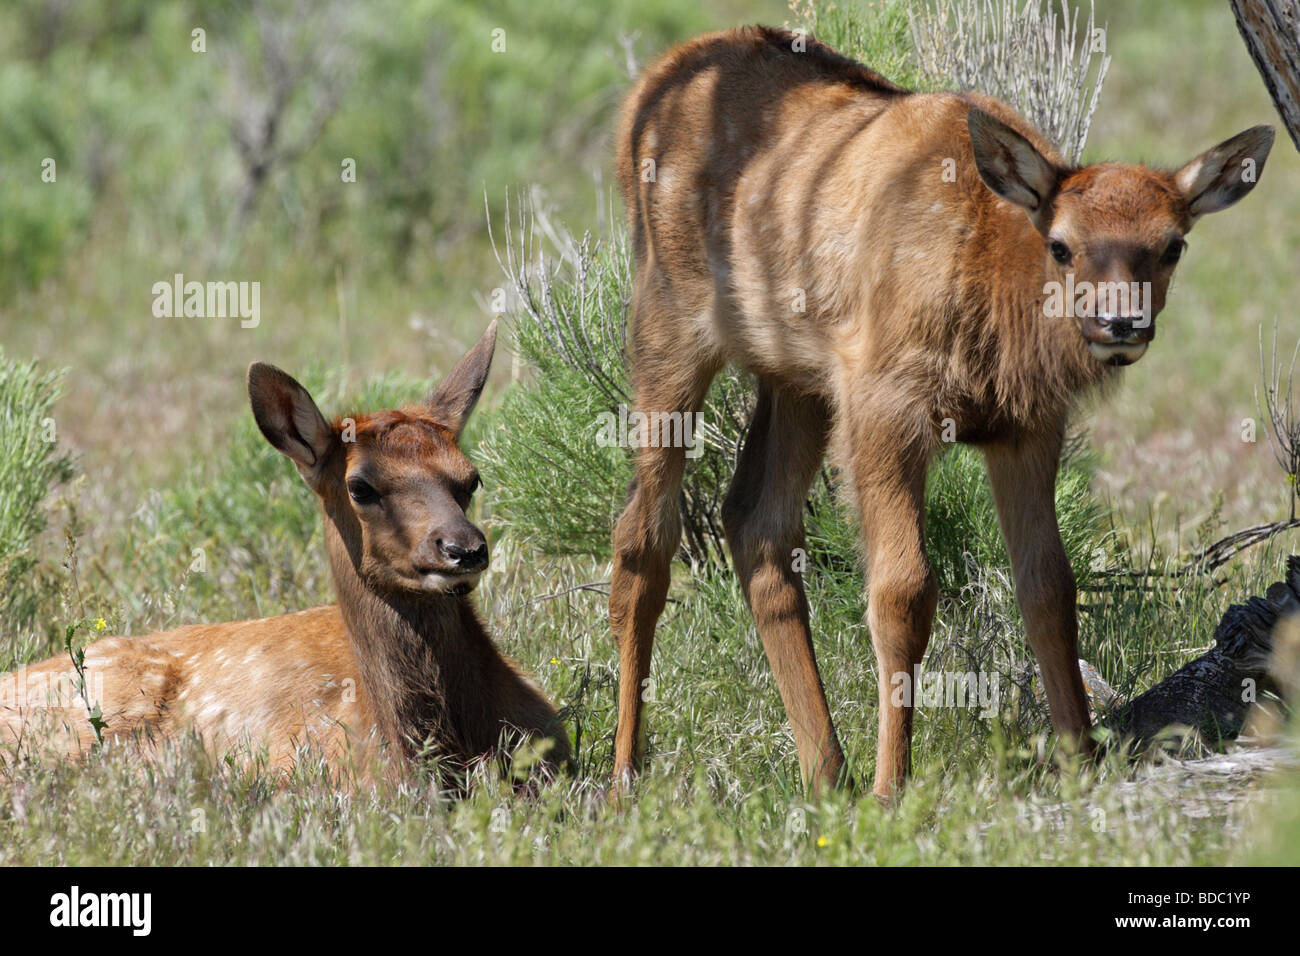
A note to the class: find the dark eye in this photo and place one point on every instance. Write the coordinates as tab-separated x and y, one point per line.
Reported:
361	492
1173	253
468	489
1060	252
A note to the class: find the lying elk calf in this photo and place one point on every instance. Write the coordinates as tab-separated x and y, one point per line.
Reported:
401	659
897	270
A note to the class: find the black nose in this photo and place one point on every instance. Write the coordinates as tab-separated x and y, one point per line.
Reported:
466	556
1126	328
1119	326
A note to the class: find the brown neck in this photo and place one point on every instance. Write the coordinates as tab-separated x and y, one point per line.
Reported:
1036	385
428	667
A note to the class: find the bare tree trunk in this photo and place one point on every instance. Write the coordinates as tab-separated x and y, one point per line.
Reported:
1271	29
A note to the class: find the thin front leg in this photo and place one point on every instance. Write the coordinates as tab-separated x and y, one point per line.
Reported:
889	481
1023	476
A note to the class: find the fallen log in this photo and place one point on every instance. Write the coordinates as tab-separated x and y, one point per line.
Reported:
1213	694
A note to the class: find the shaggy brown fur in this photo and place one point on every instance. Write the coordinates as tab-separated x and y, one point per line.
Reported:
878	259
402	660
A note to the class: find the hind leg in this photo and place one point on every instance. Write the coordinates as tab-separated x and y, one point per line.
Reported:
763	517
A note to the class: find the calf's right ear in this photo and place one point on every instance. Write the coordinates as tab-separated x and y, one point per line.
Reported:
1013	168
288	417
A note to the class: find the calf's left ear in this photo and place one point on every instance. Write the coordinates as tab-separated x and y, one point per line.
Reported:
1223	174
457	394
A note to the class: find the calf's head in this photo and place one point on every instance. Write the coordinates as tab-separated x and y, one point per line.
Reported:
1113	232
394	483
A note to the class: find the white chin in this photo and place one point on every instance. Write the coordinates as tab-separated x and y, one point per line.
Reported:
1118	354
444	583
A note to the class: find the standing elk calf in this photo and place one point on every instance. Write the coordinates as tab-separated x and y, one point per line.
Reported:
401	660
884	263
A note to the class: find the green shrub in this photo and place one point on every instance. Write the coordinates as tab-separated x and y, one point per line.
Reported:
30	466
139	124
39	221
880	37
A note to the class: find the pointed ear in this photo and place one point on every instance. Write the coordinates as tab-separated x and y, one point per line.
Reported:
1012	168
457	394
1220	176
288	417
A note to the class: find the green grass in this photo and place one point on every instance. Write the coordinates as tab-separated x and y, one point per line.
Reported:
722	785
